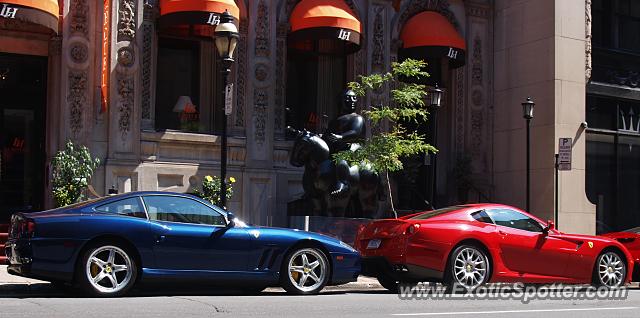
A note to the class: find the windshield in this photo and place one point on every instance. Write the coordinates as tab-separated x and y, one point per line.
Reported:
430	214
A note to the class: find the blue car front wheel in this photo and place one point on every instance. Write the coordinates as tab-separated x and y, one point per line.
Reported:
305	271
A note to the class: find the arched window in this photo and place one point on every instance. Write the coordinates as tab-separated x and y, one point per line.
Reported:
323	33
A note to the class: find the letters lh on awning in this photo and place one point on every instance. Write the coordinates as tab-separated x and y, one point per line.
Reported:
429	34
324	27
195	12
41	12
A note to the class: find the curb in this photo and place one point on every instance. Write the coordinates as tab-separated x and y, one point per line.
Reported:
42	288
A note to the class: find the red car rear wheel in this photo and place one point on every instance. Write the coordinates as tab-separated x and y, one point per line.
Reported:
469	267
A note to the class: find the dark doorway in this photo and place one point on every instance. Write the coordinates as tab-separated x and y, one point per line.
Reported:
22	132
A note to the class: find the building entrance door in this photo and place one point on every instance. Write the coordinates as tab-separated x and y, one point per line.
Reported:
22	132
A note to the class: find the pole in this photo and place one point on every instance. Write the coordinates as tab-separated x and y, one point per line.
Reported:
557	197
435	159
528	202
226	69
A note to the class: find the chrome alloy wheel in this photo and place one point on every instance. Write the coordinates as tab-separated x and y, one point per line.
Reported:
109	269
611	269
307	269
470	268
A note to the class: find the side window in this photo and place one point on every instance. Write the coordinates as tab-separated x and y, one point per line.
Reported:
482	216
130	207
514	219
181	210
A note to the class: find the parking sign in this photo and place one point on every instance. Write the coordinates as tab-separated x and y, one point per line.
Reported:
564	153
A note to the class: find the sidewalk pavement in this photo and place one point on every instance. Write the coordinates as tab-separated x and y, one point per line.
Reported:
17	285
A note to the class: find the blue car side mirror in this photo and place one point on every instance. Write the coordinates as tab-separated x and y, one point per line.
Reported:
231	218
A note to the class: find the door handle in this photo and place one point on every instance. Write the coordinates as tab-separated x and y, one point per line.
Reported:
160	238
503	233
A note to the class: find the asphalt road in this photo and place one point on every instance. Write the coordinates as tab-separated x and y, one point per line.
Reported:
47	302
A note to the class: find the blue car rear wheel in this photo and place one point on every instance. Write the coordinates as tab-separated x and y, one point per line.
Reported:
107	270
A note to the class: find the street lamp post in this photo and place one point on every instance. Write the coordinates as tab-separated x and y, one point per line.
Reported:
527	113
226	39
435	101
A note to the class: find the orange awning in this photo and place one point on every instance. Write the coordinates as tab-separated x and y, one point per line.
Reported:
328	21
42	12
430	34
195	12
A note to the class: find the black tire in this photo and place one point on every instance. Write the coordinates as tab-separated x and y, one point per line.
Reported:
111	270
290	279
452	281
599	280
388	282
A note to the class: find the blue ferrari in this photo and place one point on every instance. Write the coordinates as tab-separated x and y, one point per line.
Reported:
105	246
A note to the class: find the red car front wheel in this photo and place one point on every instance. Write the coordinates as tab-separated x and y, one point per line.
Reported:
610	270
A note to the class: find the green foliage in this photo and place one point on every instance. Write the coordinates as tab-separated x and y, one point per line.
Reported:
383	152
211	189
72	171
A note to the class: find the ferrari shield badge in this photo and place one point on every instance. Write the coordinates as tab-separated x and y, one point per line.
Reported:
255	233
590	244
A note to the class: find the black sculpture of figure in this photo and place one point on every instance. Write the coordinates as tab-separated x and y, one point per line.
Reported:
337	189
343	134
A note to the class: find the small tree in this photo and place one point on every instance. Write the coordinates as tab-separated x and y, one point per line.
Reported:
383	152
72	171
211	189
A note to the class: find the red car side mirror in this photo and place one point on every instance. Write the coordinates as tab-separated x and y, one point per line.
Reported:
550	226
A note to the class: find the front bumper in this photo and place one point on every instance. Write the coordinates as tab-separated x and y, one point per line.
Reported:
376	266
346	268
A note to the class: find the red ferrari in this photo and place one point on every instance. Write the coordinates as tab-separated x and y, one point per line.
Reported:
631	240
470	245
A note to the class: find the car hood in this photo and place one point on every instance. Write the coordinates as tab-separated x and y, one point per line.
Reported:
583	237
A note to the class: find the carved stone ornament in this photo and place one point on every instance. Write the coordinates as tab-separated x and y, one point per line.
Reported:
125	103
477	121
478	11
476	62
262	30
79	52
147	36
476	97
377	56
440	6
126	57
261	72
78	11
77	99
281	80
260	98
241	75
127	20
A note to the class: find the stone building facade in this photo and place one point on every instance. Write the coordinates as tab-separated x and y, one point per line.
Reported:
514	49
